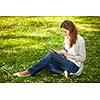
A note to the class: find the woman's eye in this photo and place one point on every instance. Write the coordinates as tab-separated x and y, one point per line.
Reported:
65	32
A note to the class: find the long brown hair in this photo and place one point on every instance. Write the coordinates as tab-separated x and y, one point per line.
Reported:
67	24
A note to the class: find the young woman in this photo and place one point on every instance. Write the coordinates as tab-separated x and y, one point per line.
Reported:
68	61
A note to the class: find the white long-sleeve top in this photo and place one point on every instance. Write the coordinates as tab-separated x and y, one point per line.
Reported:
78	50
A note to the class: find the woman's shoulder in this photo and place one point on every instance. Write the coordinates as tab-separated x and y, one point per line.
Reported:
80	39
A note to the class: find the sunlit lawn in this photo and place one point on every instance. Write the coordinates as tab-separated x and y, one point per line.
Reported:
25	40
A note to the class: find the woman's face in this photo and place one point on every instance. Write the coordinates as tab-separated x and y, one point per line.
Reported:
65	31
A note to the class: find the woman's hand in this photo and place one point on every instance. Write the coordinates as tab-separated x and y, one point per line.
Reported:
70	56
62	52
54	51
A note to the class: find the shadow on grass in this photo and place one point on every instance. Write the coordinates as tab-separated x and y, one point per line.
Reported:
23	25
3	27
92	21
13	44
14	36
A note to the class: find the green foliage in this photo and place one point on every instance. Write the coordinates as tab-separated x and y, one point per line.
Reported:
25	40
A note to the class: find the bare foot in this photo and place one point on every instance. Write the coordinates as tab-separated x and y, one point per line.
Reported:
24	72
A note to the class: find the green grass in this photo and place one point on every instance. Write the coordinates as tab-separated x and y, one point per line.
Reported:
25	40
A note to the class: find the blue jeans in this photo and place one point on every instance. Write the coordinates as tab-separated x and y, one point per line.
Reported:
55	63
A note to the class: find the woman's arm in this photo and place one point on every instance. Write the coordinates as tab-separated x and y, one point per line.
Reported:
82	53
